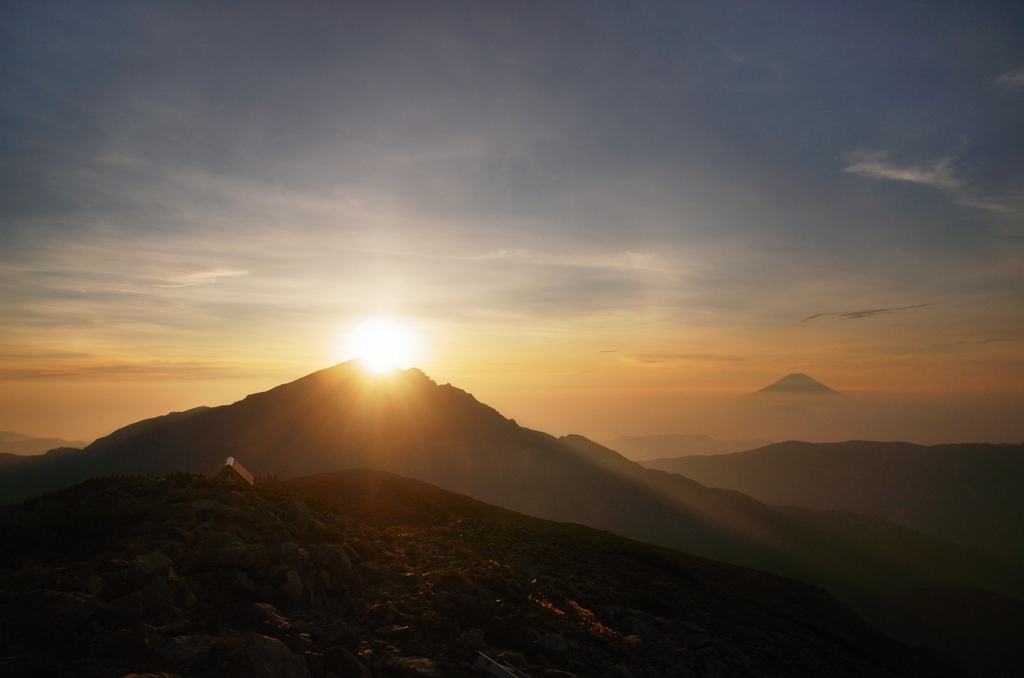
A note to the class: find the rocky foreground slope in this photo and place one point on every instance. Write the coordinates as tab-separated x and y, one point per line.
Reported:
363	573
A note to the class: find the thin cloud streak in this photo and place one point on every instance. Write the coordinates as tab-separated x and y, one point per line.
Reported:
1013	80
873	165
658	358
854	315
976	342
190	278
115	371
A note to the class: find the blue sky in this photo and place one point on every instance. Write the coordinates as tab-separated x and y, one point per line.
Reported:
654	192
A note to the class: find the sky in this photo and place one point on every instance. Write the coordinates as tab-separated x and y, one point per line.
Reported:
598	218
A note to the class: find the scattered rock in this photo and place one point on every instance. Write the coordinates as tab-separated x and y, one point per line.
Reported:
206	505
335	560
131	605
288	554
522	565
50	612
472	640
292	586
263	657
298	512
699	641
122	643
353	557
153	564
395	596
185	650
552	641
512	659
246	556
341	662
411	667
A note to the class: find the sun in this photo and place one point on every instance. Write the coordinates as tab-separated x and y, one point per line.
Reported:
382	344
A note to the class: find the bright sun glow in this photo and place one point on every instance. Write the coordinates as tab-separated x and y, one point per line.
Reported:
382	344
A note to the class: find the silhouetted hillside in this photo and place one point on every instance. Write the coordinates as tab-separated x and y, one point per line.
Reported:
363	573
23	445
659	446
44	460
970	493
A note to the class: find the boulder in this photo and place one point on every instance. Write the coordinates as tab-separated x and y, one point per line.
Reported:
288	553
412	667
351	553
336	561
265	613
53	612
131	605
520	564
472	640
245	556
121	643
552	641
206	505
643	625
298	512
262	657
185	650
340	661
158	600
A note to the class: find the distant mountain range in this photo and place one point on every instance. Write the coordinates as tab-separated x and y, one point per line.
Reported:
798	384
18	445
971	493
659	446
407	424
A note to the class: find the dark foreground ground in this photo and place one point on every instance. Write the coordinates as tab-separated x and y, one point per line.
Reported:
364	574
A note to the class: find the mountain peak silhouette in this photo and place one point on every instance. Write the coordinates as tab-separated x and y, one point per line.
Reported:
798	384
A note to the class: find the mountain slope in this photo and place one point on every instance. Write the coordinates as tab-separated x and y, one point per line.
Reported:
377	575
23	445
660	446
969	493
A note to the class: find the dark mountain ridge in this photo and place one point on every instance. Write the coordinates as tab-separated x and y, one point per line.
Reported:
970	493
664	445
18	444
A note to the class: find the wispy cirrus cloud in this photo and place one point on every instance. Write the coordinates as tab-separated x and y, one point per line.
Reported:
202	277
654	358
152	369
873	165
1013	80
973	342
855	315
